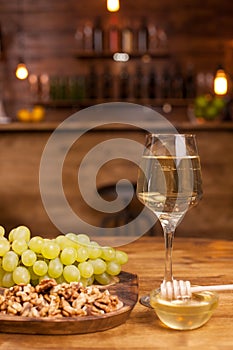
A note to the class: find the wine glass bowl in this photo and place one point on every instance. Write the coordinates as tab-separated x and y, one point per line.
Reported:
169	180
169	183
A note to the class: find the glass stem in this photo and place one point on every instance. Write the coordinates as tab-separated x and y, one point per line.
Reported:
169	230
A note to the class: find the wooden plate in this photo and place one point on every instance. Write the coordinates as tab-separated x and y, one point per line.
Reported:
126	290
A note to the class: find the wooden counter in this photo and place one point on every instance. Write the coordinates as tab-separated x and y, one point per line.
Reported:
201	261
22	145
51	126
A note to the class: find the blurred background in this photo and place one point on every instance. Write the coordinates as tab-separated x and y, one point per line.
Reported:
168	51
58	57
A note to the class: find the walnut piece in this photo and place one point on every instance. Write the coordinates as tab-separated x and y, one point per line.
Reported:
49	299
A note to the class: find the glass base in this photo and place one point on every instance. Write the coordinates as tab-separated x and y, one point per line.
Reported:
4	120
145	301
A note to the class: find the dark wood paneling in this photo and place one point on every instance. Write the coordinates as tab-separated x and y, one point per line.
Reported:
20	193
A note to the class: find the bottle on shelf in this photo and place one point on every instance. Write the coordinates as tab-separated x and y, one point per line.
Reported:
76	87
79	37
142	37
107	83
43	87
33	80
190	84
1	44
98	41
88	37
127	40
56	91
62	88
124	85
92	85
153	38
201	83
177	84
161	38
166	84
138	83
152	84
114	39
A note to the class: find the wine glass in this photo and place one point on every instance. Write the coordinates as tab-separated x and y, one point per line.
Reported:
169	183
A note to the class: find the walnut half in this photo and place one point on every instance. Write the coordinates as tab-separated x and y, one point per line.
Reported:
49	299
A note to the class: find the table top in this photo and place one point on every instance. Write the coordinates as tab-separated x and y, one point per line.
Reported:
202	261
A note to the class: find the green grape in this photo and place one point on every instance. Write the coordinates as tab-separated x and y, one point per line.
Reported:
94	250
99	266
50	249
34	282
121	257
40	267
7	280
21	275
108	253
4	246
73	241
36	243
28	257
44	277
11	235
71	273
83	239
113	268
68	256
2	272
10	261
83	281
33	275
63	242
86	269
87	281
55	268
60	280
103	278
71	236
19	246
84	260
90	280
22	232
2	231
82	254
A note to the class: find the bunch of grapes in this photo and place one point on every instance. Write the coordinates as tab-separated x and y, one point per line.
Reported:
67	258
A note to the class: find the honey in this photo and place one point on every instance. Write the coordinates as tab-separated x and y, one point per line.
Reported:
187	313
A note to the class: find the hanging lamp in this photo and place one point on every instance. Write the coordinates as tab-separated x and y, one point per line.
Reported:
220	82
113	5
21	71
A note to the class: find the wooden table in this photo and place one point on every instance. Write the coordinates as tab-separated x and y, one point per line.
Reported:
199	260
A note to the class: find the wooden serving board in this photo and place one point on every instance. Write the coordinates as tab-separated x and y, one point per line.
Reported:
126	290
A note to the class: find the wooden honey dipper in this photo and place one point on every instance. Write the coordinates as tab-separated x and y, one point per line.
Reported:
183	289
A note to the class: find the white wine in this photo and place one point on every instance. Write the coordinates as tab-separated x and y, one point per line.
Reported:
169	185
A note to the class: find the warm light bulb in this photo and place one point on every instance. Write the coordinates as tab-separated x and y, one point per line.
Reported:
121	57
220	83
21	71
113	5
